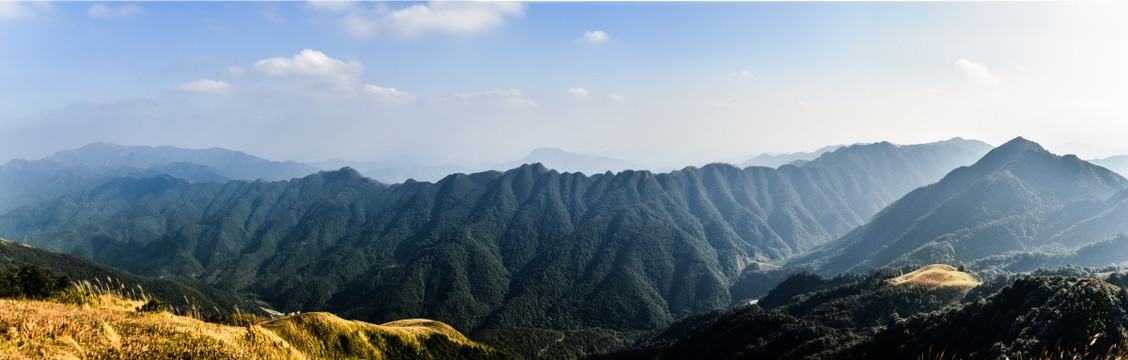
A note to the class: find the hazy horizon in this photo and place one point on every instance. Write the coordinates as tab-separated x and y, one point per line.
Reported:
489	82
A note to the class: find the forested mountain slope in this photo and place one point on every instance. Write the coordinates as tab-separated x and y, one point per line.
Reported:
1017	198
853	316
528	247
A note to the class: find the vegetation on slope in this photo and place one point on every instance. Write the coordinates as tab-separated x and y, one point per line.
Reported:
529	247
1044	315
940	275
810	317
1017	198
1033	314
181	294
113	329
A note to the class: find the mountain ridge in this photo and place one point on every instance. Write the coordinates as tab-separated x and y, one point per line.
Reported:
68	171
627	250
1013	187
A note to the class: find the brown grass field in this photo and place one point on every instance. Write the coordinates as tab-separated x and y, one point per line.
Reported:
115	330
937	275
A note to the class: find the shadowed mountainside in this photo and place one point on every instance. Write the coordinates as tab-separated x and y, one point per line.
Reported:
528	247
856	316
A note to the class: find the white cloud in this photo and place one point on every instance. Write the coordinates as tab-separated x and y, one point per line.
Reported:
206	86
509	97
13	10
319	71
101	10
595	37
313	64
578	92
387	93
1023	72
617	97
436	17
977	71
308	62
742	73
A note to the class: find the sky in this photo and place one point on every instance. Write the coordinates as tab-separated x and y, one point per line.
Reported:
468	82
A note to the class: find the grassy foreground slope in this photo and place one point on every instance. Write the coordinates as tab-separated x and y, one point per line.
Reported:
113	329
183	294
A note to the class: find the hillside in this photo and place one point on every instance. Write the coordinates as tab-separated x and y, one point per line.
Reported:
114	329
1034	315
30	181
805	317
1041	317
939	275
1017	198
525	248
181	293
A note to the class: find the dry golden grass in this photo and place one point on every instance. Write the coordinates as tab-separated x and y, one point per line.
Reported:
937	275
114	330
325	335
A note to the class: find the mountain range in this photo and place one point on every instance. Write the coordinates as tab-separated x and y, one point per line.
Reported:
776	160
1018	198
529	247
422	168
69	171
1118	164
530	256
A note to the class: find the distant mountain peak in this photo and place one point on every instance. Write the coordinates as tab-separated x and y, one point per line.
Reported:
565	161
545	151
1020	143
345	173
534	167
348	171
1014	149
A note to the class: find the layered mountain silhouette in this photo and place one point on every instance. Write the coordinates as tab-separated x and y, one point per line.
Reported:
1017	198
776	160
529	247
1118	163
425	168
29	181
565	161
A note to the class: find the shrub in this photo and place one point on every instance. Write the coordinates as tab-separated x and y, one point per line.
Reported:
154	306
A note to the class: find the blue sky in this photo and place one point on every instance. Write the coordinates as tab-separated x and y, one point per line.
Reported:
651	82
